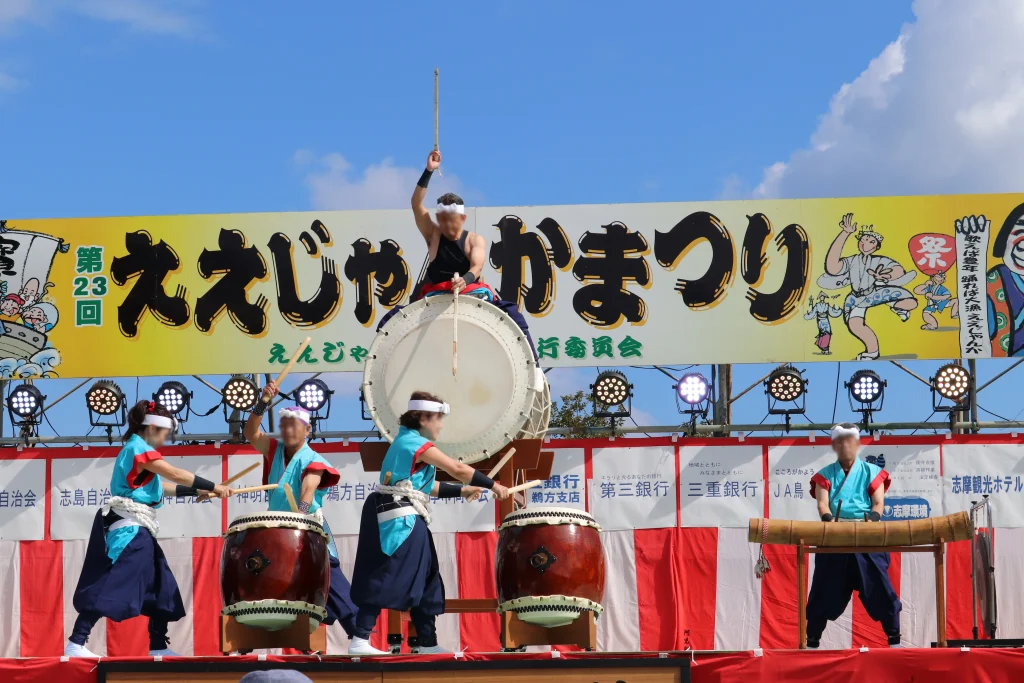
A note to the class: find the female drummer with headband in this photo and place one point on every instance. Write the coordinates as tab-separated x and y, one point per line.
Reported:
291	461
396	564
125	573
852	490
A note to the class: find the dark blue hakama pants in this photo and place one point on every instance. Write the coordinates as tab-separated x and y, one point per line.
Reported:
836	576
139	583
339	602
409	580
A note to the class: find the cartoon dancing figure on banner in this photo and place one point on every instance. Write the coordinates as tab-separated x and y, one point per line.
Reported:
823	311
875	280
938	298
1005	288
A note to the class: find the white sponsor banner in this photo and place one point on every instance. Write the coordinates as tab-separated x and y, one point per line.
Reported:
246	503
916	491
634	488
79	487
184	516
22	499
343	504
720	486
790	469
970	472
566	486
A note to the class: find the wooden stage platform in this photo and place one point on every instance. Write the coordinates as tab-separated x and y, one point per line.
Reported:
940	665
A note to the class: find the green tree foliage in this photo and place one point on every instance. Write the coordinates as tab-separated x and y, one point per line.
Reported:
576	413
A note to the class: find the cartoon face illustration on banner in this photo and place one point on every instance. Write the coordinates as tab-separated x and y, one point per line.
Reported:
933	252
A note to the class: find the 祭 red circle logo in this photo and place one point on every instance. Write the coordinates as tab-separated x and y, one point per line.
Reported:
933	252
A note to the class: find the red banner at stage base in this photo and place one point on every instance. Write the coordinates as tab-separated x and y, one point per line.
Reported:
832	666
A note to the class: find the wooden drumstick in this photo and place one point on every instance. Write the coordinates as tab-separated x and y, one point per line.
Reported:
288	367
528	485
232	480
290	497
387	478
436	148
253	489
455	330
501	463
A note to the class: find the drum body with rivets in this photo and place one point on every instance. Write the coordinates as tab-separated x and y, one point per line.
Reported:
549	565
274	567
497	395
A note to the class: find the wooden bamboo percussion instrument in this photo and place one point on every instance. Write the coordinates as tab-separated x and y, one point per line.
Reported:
955	527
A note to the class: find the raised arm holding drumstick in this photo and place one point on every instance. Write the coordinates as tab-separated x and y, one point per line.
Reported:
290	463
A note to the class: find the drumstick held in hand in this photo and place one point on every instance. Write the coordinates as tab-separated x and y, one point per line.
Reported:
288	367
436	148
455	330
232	480
501	463
527	485
290	497
253	489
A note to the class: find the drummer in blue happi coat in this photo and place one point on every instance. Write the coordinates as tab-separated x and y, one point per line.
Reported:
852	490
125	573
396	563
290	460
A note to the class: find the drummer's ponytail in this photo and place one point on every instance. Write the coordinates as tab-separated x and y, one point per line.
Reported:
410	419
139	412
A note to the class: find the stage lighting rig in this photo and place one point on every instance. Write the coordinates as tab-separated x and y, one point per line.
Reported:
25	405
867	394
612	395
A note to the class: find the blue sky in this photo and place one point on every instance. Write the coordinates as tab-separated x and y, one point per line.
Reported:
127	107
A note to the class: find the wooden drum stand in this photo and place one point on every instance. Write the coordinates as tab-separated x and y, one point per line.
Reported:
528	463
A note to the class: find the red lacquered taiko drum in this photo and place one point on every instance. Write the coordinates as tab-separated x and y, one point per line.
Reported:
274	567
549	565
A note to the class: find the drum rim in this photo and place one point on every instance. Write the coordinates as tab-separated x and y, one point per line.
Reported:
281	606
466	451
552	602
530	516
264	519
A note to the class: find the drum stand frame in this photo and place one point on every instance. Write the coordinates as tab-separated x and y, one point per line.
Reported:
234	637
975	512
803	550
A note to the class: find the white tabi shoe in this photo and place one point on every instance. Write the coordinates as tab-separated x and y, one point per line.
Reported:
361	646
76	650
166	652
431	650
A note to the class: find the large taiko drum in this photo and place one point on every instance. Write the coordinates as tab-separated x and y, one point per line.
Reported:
498	395
549	565
274	567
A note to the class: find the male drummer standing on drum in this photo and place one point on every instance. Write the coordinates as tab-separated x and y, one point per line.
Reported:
456	255
854	491
291	461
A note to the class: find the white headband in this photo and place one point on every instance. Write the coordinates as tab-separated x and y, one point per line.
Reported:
430	407
452	208
839	431
160	421
299	414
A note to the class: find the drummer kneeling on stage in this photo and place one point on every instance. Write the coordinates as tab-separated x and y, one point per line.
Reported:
291	461
854	491
396	564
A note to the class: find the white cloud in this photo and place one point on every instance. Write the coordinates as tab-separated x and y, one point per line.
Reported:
334	185
937	111
167	17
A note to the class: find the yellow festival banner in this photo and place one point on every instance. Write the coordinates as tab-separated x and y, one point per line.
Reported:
623	284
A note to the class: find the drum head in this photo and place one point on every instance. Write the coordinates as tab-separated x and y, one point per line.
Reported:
544	514
985	583
493	395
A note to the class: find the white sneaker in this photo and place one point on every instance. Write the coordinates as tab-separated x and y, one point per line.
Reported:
432	650
361	646
166	652
76	650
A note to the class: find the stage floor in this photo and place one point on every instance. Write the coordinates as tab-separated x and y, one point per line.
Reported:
984	665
